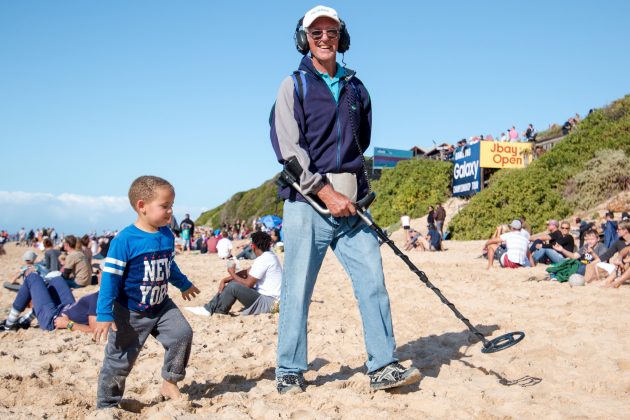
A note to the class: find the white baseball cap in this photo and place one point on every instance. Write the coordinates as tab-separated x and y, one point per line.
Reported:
317	12
516	224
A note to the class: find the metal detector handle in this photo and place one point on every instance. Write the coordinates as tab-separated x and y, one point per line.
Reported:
290	176
360	205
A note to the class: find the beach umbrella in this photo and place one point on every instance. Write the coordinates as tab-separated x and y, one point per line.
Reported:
271	221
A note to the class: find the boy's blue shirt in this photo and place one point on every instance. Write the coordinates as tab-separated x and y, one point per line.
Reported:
138	268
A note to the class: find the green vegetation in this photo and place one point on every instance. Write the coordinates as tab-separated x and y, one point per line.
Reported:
538	191
552	132
410	188
604	175
244	205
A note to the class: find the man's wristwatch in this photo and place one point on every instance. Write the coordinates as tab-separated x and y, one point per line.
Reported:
70	325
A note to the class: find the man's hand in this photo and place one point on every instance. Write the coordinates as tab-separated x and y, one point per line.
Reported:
102	329
338	204
222	284
558	248
61	322
190	293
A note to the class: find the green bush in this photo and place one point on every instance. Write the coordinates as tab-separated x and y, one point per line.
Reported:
604	175
244	205
537	191
410	188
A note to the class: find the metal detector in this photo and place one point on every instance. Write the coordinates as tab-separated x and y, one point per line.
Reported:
290	176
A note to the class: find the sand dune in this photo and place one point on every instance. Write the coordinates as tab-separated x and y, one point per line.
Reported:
573	362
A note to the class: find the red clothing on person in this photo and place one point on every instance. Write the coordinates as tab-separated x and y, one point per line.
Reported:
505	262
212	244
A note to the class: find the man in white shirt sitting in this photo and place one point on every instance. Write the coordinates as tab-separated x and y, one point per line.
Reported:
517	252
258	288
224	246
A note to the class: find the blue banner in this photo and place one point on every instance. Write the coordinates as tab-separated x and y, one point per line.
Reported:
466	171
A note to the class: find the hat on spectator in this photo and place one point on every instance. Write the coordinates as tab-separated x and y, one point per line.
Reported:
625	216
29	256
317	12
553	222
516	224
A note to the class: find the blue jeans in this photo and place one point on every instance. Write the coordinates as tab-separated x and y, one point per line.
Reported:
48	300
552	254
307	237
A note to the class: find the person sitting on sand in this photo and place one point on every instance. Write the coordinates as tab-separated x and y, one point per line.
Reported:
51	256
29	258
517	254
412	241
601	265
591	250
76	269
434	238
559	233
53	305
224	246
622	272
258	288
500	249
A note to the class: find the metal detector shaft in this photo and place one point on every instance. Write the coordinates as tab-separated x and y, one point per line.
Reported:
290	175
421	275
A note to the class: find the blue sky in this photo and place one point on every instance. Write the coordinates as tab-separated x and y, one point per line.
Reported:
94	94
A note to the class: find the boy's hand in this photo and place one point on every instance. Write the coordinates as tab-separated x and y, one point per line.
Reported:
190	293
102	329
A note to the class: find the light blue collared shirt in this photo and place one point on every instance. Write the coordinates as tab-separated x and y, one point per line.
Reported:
333	82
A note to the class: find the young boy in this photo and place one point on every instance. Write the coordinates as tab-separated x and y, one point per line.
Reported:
133	298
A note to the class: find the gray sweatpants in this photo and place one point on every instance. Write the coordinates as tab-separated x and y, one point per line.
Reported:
168	326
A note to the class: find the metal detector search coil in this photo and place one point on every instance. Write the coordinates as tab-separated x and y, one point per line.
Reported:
290	176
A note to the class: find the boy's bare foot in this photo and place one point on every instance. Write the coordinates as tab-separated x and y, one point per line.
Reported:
170	391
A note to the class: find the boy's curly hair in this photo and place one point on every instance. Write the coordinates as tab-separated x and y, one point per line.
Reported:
144	187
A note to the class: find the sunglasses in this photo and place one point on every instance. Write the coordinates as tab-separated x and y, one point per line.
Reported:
565	228
317	34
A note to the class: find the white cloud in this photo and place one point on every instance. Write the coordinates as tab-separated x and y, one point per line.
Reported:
72	213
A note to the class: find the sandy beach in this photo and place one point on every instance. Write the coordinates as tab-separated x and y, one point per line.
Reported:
571	364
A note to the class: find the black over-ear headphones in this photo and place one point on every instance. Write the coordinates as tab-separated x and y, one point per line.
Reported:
301	43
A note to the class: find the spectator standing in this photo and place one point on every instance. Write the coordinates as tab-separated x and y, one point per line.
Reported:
431	216
440	217
513	134
405	221
610	229
187	228
530	133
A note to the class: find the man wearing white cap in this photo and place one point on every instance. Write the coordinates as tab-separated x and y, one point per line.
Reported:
516	242
322	118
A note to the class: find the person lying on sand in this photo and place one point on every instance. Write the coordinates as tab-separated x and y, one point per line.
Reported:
53	305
